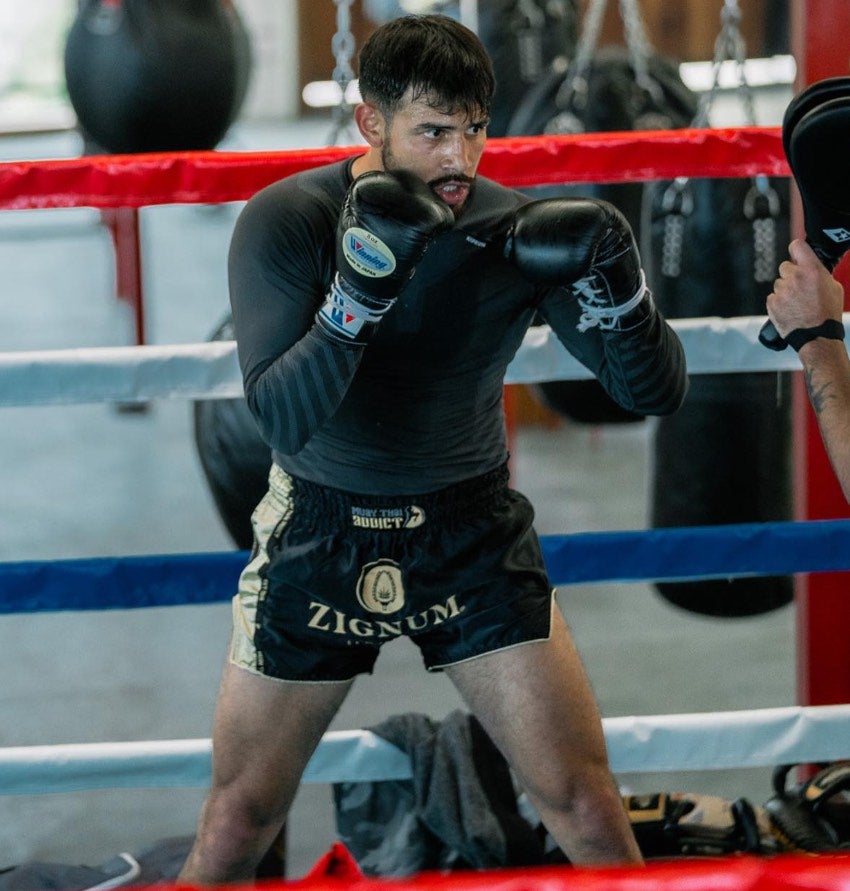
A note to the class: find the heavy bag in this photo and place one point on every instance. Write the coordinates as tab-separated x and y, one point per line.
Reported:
712	247
524	38
234	457
610	98
156	75
613	100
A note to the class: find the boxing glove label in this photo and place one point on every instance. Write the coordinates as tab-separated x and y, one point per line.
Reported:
367	254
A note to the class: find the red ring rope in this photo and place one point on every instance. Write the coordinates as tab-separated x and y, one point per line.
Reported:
214	177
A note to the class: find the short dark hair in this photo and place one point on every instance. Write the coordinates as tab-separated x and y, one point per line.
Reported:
434	55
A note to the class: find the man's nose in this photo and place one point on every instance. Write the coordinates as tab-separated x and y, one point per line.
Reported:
456	153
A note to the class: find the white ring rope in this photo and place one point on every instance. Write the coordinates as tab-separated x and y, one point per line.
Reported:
211	371
646	744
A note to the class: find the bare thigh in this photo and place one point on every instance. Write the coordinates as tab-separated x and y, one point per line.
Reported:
263	736
265	732
536	703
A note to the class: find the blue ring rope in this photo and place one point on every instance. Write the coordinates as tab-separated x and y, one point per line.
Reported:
698	552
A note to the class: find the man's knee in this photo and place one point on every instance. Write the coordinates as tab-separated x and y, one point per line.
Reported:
245	810
233	836
570	787
235	825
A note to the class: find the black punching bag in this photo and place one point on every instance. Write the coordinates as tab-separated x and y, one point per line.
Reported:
524	38
725	456
610	98
156	75
234	457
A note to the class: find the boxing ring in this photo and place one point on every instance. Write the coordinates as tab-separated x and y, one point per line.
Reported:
709	741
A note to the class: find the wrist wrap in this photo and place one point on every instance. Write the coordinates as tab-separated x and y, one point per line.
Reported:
349	316
831	329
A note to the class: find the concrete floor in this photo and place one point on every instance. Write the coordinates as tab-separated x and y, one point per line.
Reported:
92	481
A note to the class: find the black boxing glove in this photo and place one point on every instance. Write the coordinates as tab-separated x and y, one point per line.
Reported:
385	226
588	246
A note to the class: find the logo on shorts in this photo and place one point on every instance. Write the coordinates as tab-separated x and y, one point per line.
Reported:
366	253
332	621
837	235
409	516
380	588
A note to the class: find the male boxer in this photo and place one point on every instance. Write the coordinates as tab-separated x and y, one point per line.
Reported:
377	303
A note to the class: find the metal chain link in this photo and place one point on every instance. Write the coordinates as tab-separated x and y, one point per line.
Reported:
729	46
529	35
588	39
677	204
761	203
762	208
639	47
343	47
573	92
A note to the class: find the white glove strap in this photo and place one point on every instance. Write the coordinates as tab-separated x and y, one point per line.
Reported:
597	310
339	296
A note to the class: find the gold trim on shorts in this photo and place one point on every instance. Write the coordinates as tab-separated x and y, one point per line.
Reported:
268	520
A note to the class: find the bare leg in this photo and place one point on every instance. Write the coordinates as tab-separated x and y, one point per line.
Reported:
536	704
263	736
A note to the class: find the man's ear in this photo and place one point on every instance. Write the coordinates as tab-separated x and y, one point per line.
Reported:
371	124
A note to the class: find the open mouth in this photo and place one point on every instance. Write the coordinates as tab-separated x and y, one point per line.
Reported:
453	192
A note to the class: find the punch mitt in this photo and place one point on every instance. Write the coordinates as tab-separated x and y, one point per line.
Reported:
815	137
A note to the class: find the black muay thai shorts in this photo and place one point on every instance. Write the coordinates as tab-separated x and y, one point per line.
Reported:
334	575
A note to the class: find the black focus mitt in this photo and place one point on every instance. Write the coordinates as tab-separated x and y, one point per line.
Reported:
816	137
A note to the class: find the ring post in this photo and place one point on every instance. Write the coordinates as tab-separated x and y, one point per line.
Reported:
818	28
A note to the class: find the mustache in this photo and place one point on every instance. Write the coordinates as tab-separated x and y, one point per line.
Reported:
451	178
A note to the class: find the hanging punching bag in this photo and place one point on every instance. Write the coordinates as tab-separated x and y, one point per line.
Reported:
156	75
608	97
524	38
712	248
234	457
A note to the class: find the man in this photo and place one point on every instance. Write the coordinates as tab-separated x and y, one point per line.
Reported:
806	307
376	304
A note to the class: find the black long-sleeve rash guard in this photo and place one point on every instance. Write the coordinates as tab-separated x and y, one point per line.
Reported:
420	407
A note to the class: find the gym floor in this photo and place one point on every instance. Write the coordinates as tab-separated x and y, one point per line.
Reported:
90	481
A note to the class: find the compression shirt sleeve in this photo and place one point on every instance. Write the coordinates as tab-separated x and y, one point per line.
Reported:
643	368
278	271
293	397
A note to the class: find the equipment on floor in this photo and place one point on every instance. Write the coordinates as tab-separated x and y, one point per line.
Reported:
462	809
814	815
